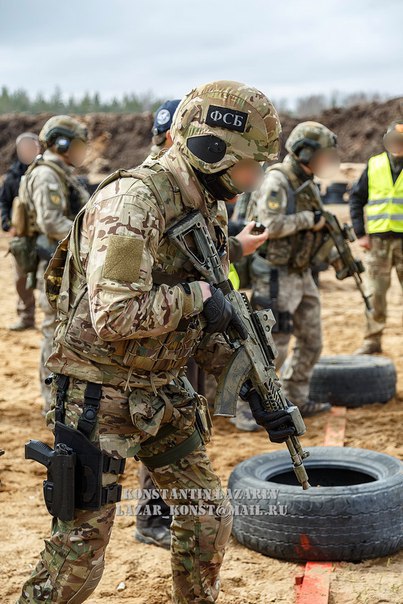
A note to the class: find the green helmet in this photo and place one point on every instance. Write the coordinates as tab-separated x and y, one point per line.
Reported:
62	126
308	137
220	123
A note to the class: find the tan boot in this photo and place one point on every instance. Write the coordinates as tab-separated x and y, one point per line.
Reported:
21	325
369	347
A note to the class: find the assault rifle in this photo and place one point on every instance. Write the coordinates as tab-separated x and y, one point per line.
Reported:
341	236
253	356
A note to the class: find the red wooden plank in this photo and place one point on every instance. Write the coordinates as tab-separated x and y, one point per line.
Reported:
314	588
336	427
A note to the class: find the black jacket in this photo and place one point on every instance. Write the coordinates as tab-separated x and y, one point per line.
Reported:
359	199
9	190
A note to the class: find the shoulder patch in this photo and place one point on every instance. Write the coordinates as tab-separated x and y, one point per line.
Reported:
123	258
55	198
273	203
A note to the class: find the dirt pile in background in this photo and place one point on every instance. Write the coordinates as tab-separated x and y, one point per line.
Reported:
123	140
117	140
359	128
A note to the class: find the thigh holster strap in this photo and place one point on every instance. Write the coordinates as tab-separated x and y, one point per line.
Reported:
173	454
111	494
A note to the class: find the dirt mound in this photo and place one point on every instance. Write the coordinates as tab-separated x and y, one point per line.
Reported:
123	141
359	128
117	141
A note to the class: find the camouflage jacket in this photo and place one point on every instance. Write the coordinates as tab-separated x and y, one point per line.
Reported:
125	317
47	188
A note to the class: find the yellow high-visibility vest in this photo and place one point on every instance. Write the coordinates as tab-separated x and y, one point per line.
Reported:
385	199
234	277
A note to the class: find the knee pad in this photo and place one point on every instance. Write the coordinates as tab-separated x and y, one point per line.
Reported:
225	526
89	585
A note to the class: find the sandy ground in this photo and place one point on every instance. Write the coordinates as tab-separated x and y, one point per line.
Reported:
247	577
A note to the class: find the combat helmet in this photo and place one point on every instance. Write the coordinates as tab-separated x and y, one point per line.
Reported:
308	137
220	123
62	126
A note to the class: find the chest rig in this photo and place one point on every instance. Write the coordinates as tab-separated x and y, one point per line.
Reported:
67	291
298	250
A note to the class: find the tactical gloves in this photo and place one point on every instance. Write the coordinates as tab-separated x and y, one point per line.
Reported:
278	424
220	314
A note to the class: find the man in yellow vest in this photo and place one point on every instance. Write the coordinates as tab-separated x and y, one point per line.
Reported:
380	191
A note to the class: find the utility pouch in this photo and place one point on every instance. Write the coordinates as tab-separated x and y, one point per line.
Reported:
24	251
203	419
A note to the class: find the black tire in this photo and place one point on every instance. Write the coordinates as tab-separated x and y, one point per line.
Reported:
352	522
353	380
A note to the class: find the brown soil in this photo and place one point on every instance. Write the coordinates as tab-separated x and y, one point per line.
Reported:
247	577
123	141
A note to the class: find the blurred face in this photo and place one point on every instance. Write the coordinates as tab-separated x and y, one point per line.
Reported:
324	162
76	153
394	141
246	175
27	150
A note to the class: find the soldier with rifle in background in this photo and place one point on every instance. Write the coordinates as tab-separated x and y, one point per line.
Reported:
49	197
301	234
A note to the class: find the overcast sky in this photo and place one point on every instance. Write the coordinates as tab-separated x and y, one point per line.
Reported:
287	48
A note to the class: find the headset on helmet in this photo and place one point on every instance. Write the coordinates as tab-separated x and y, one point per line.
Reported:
60	130
308	137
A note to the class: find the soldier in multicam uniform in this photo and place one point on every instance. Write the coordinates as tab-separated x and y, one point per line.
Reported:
153	515
54	196
288	203
131	312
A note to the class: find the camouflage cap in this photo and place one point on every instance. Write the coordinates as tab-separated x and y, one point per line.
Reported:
62	125
220	123
310	134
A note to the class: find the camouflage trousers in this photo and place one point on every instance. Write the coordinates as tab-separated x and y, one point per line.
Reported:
71	565
298	295
25	297
385	254
147	501
48	329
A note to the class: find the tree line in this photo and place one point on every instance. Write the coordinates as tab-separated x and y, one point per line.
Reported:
20	101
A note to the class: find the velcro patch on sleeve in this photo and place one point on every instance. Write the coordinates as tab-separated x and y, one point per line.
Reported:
123	258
